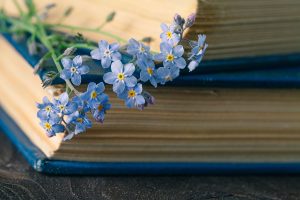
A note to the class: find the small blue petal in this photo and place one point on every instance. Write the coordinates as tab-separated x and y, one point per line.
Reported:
58	128
129	69
178	51
76	79
117	67
159	57
95	54
65	74
83	69
118	87
77	60
140	100
105	62
64	98
67	63
109	78
180	63
116	56
130	81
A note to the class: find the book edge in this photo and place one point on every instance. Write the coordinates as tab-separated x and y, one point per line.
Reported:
41	163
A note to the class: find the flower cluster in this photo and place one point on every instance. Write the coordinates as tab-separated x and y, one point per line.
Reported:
127	79
68	114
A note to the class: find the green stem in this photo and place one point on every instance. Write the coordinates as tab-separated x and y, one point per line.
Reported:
83	46
18	7
43	38
23	25
95	30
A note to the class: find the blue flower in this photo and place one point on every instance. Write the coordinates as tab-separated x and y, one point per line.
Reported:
138	49
81	104
78	122
133	96
121	76
52	125
171	56
106	53
100	109
167	74
197	53
45	109
168	35
73	69
63	106
94	94
148	71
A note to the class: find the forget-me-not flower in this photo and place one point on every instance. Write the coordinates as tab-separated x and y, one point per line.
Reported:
138	49
73	69
52	125
169	35
63	105
99	109
167	74
94	94
79	121
197	53
120	76
133	96
148	71
46	108
171	56
106	53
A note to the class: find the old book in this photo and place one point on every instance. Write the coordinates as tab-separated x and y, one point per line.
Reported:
240	34
189	130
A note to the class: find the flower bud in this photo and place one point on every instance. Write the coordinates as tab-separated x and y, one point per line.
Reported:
110	16
149	99
178	20
69	51
190	20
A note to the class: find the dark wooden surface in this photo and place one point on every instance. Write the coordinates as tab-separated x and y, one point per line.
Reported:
19	181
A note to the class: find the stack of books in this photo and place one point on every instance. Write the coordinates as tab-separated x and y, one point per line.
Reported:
232	119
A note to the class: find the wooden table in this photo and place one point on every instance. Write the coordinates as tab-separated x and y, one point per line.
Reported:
19	181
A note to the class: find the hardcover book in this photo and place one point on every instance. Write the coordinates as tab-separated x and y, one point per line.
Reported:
190	130
236	112
241	34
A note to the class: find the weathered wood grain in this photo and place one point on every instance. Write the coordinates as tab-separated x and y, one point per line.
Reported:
19	181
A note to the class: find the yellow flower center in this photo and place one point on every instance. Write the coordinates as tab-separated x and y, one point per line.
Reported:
61	107
47	126
168	78
93	94
100	107
142	49
107	52
131	93
121	76
48	108
201	49
170	57
80	120
73	69
169	34
150	70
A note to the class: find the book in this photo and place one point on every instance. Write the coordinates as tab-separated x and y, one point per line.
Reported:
190	130
241	34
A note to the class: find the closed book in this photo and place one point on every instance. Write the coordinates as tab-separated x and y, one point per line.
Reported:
241	34
190	130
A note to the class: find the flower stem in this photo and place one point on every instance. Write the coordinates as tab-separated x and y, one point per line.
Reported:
44	39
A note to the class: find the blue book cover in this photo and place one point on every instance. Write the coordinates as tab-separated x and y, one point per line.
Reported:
269	77
264	71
